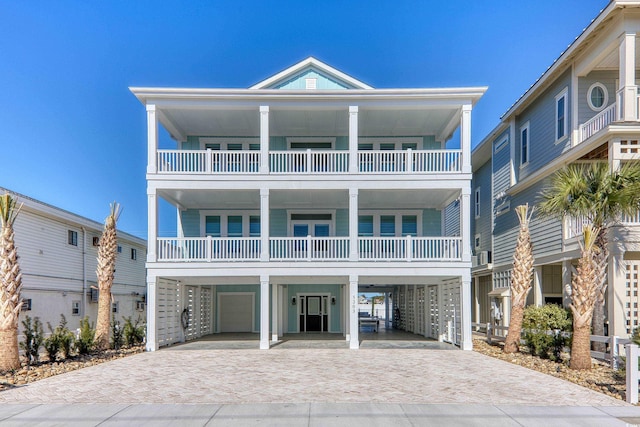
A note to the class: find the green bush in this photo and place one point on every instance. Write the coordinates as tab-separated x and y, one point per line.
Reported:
543	330
117	338
133	332
60	340
85	341
33	339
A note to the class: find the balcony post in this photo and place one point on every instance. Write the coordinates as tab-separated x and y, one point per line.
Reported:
628	92
465	138
409	161
309	251
264	312
465	223
264	139
152	225
354	325
152	139
409	248
353	139
152	329
309	159
465	300
353	224
264	224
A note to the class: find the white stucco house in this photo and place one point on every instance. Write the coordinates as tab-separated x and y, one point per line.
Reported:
296	193
58	253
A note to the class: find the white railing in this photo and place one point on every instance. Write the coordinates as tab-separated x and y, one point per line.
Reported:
208	161
309	248
631	219
598	122
208	249
573	226
410	248
409	161
309	161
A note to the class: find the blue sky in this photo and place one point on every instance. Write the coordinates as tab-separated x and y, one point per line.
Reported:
72	135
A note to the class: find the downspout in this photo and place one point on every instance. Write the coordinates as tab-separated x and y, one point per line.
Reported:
84	272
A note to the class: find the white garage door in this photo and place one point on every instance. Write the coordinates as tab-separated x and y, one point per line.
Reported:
236	312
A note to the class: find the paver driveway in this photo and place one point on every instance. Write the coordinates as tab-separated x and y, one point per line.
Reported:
189	374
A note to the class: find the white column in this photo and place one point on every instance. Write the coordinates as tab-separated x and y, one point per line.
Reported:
152	310
627	93
353	224
264	312
152	225
616	293
614	158
264	139
274	313
353	314
465	316
476	299
264	224
386	310
465	138
152	138
566	283
465	223
537	286
353	139
346	309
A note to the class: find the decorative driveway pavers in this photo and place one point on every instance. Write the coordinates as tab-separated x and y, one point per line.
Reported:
407	376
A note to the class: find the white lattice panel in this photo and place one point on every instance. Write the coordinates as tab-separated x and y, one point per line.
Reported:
629	149
168	314
433	313
451	312
205	311
420	310
410	310
631	288
402	305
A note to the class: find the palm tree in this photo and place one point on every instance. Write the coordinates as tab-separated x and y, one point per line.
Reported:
10	285
584	288
107	253
600	195
520	279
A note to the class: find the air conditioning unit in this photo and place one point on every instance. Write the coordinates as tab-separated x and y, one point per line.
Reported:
94	295
474	261
484	258
96	241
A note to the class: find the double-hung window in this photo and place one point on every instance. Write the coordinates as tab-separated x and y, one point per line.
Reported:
525	142
561	114
409	225
476	203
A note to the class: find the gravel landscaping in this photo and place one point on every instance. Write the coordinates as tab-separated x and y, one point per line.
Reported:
600	378
27	374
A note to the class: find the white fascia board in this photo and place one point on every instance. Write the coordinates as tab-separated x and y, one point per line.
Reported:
60	215
566	56
310	62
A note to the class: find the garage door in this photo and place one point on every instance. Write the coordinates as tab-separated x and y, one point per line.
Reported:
236	312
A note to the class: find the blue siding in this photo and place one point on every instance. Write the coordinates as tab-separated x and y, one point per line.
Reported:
192	143
342	222
278	223
298	82
191	222
431	222
541	115
429	143
242	288
277	143
342	142
481	225
336	310
452	219
608	79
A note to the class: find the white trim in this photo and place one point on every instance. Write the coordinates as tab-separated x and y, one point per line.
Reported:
564	93
605	99
253	308
245	214
398	215
397	141
294	139
224	141
528	148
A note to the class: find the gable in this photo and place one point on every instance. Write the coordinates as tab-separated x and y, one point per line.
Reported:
322	81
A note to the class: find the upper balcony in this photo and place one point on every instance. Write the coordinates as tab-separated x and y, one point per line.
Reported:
608	116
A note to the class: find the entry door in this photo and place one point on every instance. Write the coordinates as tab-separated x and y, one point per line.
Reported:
313	313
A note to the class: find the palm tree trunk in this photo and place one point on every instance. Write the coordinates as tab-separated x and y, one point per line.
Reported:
512	342
581	348
601	261
9	356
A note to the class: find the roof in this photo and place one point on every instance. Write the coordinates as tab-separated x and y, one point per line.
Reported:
62	215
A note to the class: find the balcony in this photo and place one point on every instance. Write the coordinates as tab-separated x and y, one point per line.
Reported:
209	162
574	226
604	118
306	249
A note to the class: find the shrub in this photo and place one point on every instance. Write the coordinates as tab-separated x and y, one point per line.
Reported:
60	340
33	339
133	332
117	338
85	341
543	330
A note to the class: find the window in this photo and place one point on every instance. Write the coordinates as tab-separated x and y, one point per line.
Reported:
72	237
26	304
365	225
115	306
476	202
119	249
234	226
597	96
212	226
476	241
387	225
254	226
75	308
409	225
500	144
561	115
524	144
134	254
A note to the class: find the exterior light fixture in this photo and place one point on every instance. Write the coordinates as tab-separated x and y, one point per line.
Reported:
293	300
333	300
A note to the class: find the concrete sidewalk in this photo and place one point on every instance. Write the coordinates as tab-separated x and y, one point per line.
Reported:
315	414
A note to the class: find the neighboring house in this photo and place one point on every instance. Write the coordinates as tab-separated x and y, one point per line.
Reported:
583	108
58	253
299	192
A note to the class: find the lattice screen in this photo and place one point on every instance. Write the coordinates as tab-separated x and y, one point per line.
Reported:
631	285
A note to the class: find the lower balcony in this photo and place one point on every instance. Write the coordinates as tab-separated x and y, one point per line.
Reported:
306	249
